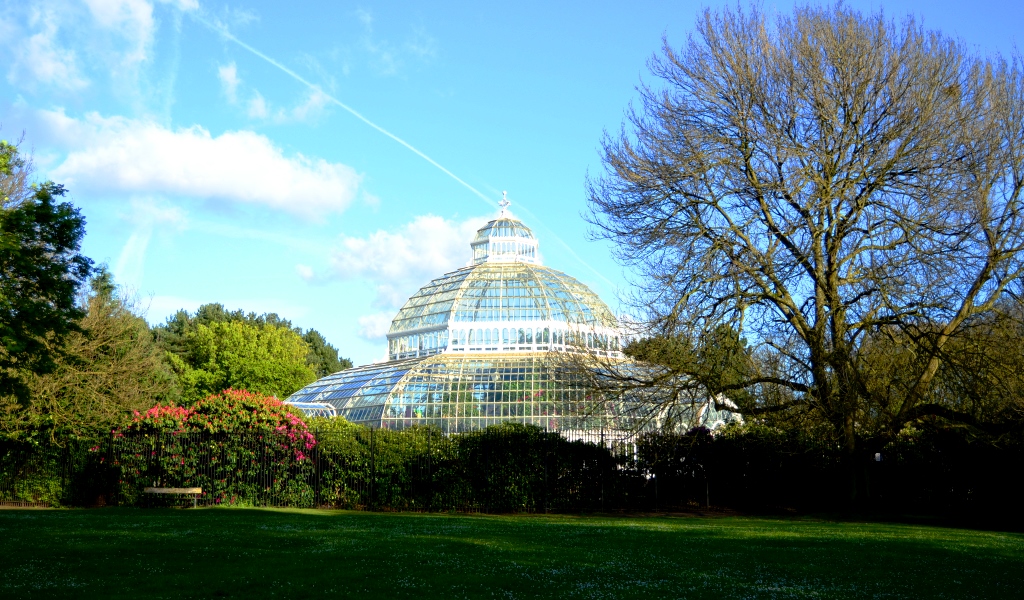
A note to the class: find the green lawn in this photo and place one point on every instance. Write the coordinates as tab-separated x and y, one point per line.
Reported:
247	553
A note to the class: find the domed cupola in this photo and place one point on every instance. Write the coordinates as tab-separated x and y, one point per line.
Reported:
505	301
504	239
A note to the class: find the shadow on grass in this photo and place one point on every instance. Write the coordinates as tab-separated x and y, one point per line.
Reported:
237	552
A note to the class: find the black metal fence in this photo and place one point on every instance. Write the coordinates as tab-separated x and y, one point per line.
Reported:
512	469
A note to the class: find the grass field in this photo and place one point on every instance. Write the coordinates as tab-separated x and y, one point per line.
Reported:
253	553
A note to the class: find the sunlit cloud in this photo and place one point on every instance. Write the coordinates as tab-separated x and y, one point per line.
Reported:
229	81
53	42
118	155
398	262
131	19
257	107
374	327
40	57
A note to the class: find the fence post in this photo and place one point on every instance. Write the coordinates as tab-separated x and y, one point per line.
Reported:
430	475
547	483
373	471
317	473
600	460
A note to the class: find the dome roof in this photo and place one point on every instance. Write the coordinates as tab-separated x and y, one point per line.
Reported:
504	239
467	392
503	227
493	291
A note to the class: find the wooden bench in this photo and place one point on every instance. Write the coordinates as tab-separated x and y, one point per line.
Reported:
194	492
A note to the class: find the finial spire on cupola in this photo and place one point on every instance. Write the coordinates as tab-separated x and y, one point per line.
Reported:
504	204
505	239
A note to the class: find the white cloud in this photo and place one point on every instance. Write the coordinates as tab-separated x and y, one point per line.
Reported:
375	327
118	155
305	272
364	17
388	58
153	211
313	106
228	75
42	59
399	262
258	107
132	19
187	5
68	44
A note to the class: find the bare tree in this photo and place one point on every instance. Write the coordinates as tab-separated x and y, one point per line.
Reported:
817	181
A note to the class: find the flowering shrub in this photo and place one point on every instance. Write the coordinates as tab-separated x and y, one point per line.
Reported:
232	412
238	446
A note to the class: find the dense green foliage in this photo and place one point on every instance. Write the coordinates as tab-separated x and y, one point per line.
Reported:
265	359
251	451
323	357
215	349
124	553
41	271
110	367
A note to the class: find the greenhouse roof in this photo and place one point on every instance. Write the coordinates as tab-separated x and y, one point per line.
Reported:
499	291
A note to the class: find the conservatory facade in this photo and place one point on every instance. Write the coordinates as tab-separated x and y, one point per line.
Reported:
486	344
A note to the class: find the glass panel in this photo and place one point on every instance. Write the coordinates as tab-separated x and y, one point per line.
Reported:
503	291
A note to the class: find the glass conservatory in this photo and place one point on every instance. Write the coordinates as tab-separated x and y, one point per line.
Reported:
482	345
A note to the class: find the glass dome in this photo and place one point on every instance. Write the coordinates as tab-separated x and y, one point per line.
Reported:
484	344
459	393
505	301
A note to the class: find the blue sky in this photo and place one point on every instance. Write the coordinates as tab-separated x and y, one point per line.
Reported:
210	148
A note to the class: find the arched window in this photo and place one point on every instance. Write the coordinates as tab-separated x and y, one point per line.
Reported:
504	336
522	336
487	337
546	336
471	337
529	335
494	335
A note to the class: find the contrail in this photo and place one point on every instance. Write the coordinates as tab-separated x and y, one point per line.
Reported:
222	30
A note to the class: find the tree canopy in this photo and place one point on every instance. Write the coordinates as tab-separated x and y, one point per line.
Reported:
826	183
109	367
322	356
215	349
41	271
